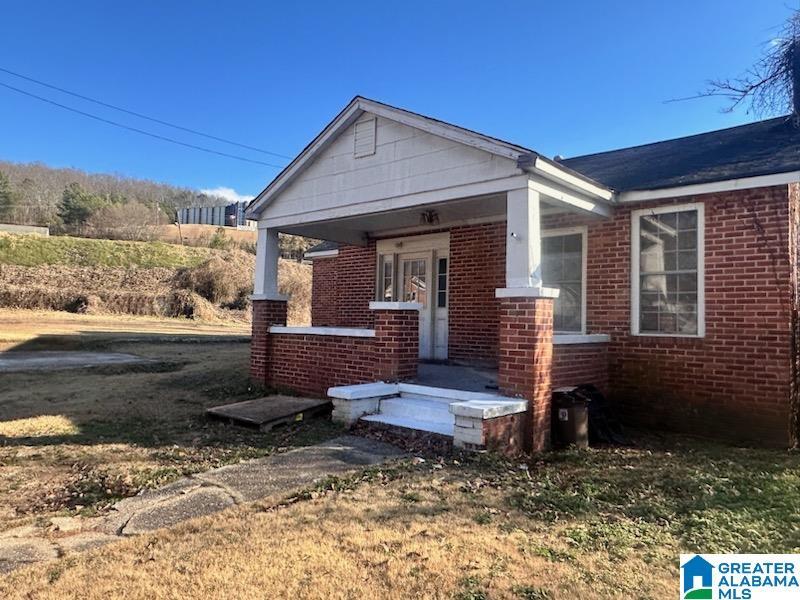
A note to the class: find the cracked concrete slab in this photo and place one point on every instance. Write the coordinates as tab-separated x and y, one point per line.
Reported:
17	552
201	495
198	503
260	478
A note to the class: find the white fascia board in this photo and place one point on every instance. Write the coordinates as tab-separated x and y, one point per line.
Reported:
383	205
321	254
571	200
727	185
337	331
554	172
444	130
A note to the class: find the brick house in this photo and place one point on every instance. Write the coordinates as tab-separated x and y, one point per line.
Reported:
665	274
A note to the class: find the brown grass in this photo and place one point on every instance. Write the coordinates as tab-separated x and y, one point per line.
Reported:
419	536
110	431
216	289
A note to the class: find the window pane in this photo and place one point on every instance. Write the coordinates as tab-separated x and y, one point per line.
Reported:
668	282
567	308
687	219
562	268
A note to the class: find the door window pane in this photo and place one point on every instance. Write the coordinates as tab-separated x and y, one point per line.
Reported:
668	273
415	282
562	268
441	284
386	278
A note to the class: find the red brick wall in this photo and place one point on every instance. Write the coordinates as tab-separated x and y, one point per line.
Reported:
310	364
265	314
575	364
343	286
396	345
526	360
734	382
355	285
477	269
324	285
505	434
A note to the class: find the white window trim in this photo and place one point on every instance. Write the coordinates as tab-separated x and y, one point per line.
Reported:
635	274
583	230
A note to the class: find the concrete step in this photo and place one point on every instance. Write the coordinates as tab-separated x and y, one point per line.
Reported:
409	423
421	409
411	412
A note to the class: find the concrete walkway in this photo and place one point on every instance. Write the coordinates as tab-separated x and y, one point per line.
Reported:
276	476
54	360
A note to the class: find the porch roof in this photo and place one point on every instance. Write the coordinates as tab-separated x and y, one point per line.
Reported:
514	163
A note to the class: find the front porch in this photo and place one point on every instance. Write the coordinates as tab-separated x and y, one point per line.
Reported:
440	253
433	310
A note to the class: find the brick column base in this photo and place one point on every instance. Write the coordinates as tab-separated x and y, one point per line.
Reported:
265	314
526	360
396	344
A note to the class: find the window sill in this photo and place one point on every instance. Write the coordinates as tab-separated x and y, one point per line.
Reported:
688	336
580	338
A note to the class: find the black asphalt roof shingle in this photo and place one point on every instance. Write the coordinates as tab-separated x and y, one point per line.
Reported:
761	148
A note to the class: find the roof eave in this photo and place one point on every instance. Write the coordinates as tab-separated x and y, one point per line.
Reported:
550	169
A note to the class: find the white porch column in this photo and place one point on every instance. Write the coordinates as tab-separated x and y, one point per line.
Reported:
524	239
267	254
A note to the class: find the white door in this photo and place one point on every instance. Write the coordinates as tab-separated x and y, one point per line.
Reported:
415	286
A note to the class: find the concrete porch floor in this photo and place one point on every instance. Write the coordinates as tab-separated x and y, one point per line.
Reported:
455	377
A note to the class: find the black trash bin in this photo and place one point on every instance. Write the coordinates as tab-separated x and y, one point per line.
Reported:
570	418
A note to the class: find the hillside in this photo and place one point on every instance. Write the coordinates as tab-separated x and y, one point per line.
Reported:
32	251
143	278
37	190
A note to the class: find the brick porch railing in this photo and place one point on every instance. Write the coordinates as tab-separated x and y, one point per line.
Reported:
309	360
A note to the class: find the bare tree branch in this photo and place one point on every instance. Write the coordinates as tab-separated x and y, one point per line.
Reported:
772	85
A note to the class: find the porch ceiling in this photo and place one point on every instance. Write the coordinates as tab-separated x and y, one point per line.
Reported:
358	229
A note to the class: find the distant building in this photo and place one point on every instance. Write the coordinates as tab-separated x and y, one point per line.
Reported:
231	215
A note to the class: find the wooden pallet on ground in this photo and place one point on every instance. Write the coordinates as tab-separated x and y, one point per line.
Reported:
270	411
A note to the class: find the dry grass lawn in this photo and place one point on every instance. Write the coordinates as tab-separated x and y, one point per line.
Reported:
74	441
605	523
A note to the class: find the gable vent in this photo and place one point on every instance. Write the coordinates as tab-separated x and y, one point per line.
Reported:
365	137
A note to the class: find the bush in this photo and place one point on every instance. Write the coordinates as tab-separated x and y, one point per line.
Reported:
131	221
217	280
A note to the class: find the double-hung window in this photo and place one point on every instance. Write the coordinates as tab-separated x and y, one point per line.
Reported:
667	271
564	268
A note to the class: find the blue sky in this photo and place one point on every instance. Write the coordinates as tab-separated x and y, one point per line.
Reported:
560	77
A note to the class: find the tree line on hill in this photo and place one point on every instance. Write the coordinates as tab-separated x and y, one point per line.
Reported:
73	201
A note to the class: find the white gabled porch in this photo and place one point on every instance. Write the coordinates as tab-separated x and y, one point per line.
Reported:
384	178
